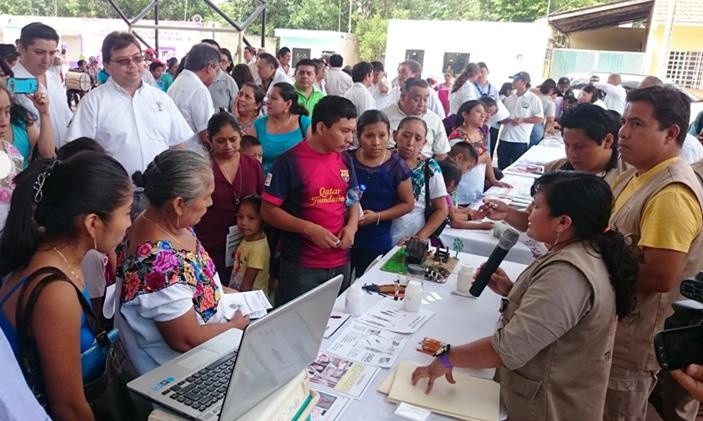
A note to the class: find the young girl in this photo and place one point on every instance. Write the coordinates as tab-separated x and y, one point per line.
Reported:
459	217
251	260
470	119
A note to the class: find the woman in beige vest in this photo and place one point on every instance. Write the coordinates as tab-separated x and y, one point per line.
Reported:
553	346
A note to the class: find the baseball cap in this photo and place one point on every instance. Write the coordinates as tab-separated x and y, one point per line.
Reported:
522	76
150	51
564	81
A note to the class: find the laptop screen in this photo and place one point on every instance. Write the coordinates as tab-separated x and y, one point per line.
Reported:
278	347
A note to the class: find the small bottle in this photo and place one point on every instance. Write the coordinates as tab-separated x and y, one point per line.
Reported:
354	195
413	297
465	278
355	300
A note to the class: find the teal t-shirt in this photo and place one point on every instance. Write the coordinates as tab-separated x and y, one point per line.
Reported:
165	81
102	76
274	145
20	139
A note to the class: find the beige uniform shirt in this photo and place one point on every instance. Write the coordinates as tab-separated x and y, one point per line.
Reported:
555	338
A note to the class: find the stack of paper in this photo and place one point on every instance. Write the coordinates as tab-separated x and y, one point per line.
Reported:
470	398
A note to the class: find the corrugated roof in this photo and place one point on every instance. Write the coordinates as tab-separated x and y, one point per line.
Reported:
612	14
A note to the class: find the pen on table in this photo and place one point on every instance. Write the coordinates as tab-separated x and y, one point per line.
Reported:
335	317
396	294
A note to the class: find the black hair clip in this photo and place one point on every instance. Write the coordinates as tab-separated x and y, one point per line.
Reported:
41	179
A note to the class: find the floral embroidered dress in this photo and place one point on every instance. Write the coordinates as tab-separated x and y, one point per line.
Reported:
159	283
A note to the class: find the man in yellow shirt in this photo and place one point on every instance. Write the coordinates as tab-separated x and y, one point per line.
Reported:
658	208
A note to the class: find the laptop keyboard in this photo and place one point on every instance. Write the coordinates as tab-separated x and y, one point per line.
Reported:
205	387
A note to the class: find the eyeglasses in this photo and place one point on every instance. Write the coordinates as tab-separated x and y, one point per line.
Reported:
124	62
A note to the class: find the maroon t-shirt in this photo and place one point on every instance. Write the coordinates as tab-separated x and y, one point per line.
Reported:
213	227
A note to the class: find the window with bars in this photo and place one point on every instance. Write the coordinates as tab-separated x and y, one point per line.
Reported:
685	68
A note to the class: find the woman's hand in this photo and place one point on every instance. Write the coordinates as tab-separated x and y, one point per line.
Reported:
499	283
497	183
433	371
494	209
369	217
239	320
484	225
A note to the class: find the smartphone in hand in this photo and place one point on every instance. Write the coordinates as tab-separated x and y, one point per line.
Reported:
23	85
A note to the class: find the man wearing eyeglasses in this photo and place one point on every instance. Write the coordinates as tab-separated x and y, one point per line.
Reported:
191	94
132	120
38	44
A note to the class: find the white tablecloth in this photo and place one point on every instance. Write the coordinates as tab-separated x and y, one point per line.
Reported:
457	320
482	242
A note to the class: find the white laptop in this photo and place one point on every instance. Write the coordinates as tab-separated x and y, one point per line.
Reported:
229	374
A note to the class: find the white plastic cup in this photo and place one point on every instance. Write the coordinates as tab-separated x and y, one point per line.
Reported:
465	278
355	300
413	297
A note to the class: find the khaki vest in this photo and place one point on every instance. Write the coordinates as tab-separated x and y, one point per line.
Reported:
610	176
698	169
633	344
568	379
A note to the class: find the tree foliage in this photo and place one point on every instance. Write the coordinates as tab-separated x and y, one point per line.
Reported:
369	18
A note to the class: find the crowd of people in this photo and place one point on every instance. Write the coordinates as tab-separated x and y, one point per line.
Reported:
182	181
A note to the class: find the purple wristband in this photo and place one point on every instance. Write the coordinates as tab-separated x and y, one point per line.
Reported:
444	360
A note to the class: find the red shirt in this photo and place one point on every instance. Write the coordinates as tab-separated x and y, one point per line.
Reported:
313	186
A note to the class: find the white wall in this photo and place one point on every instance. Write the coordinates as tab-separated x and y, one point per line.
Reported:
319	41
506	47
86	35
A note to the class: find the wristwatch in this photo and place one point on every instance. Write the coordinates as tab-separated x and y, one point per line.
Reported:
442	355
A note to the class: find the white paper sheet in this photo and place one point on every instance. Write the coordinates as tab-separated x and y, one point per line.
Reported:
336	321
369	345
234	237
389	314
251	303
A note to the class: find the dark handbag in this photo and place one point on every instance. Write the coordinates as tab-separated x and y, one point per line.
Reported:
428	202
107	395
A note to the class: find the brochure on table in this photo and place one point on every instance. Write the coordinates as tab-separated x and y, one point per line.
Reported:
370	345
389	314
334	374
329	407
